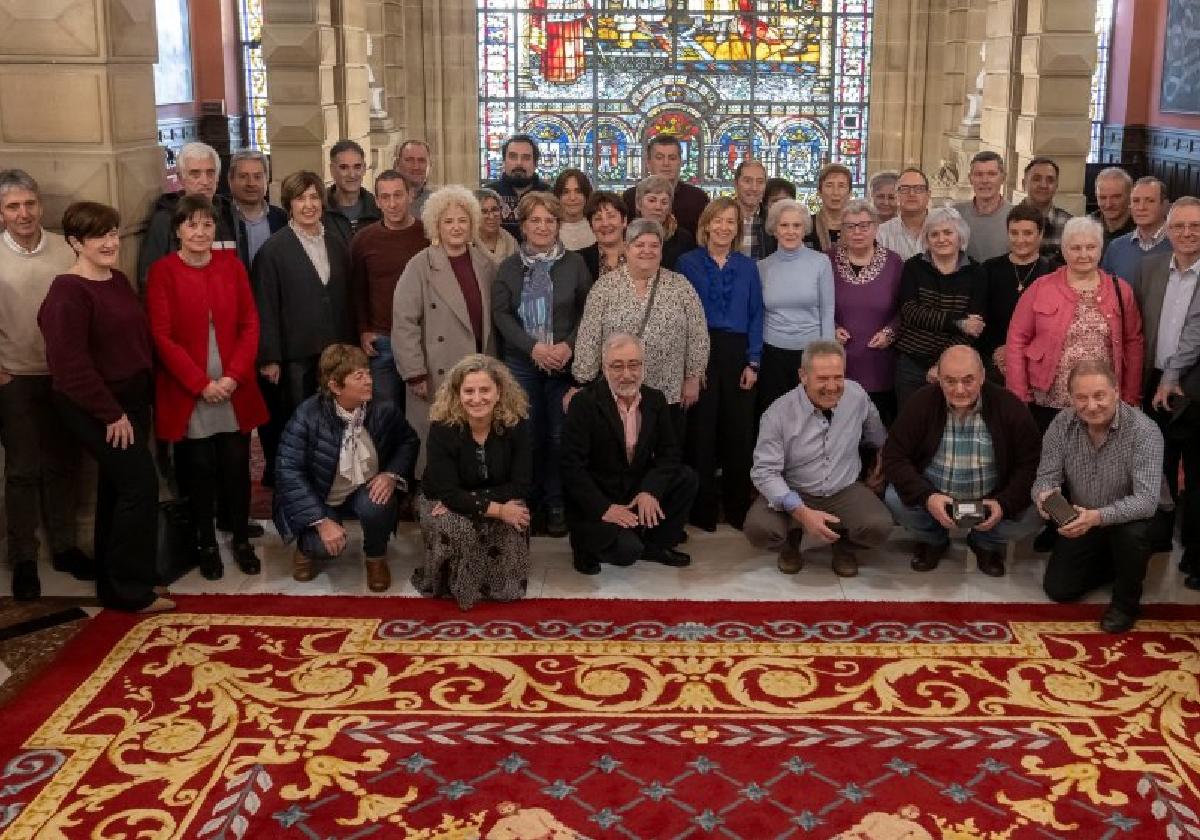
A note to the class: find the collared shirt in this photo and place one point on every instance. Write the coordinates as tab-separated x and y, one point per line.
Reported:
1148	243
258	230
22	250
631	422
314	246
1120	478
896	236
800	450
1177	301
964	466
1056	219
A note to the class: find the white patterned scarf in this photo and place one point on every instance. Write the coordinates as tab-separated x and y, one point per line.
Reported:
355	455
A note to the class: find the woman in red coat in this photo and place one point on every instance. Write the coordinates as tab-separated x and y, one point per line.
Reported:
205	329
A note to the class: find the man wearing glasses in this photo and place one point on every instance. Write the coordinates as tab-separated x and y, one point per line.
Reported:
902	233
626	488
1166	293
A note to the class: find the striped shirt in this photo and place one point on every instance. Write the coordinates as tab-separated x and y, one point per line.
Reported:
964	466
932	304
1120	478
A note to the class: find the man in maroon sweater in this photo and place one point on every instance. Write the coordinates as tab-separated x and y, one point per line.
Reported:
664	156
963	440
378	255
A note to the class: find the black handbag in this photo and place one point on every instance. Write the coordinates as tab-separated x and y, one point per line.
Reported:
176	533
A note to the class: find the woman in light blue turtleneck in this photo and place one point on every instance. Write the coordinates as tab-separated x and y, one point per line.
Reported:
797	285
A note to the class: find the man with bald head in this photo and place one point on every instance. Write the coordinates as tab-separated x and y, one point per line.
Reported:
959	442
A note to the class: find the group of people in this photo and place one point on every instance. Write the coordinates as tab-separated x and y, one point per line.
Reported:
549	358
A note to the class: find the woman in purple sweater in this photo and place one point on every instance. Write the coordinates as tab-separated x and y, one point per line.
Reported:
866	291
98	350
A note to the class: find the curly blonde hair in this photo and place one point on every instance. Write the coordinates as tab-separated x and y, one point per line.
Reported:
511	408
441	201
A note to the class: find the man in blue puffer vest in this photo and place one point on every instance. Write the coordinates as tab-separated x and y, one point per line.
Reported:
342	454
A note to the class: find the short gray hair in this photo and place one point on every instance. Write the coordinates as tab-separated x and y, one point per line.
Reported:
248	156
823	347
880	177
1084	226
1115	173
653	184
860	207
783	205
441	201
1092	367
943	216
484	192
192	151
640	227
1182	201
620	339
18	179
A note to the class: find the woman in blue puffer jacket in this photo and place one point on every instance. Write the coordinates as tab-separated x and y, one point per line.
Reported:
342	454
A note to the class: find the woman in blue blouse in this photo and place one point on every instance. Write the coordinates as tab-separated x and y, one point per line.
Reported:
721	424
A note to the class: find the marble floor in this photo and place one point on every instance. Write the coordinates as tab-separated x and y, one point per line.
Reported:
724	567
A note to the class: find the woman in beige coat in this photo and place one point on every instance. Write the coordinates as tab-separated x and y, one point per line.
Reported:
441	310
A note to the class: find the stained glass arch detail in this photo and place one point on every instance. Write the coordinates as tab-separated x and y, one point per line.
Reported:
785	80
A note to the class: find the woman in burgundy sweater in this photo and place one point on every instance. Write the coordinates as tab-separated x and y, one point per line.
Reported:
98	350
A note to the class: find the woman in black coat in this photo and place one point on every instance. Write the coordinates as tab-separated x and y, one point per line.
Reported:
478	472
302	289
343	453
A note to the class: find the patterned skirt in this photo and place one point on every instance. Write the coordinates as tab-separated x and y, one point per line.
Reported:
470	560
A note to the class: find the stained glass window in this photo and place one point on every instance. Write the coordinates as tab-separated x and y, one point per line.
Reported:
1099	105
254	69
784	81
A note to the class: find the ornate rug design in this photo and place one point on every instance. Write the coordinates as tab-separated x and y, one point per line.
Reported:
244	717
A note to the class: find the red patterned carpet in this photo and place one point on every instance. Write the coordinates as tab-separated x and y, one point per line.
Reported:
254	717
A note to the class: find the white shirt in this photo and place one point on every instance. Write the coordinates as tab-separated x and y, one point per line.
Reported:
895	236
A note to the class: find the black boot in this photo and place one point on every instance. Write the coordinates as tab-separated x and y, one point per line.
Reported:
25	583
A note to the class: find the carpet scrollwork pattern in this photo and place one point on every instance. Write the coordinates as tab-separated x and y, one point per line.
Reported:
250	718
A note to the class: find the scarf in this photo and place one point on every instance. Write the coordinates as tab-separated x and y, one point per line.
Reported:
354	457
537	293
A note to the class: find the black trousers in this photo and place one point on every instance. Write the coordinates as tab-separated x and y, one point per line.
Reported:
216	467
613	544
126	531
721	435
1176	452
778	373
1116	554
297	382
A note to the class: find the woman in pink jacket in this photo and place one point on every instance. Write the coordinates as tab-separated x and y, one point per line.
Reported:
1077	312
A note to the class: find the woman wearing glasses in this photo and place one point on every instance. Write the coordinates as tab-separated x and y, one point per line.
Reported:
473	511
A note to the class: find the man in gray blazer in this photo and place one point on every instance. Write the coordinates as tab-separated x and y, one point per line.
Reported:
1166	289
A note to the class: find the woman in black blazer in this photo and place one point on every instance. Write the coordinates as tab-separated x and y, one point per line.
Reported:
301	287
537	303
478	472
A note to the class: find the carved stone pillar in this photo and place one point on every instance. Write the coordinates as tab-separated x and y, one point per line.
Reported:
384	136
77	106
964	53
1002	82
898	80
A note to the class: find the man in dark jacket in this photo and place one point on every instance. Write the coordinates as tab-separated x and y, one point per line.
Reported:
340	454
627	491
664	156
255	219
351	206
963	440
520	154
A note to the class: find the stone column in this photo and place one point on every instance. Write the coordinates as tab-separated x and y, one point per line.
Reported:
1058	55
1002	83
900	41
77	106
441	94
384	136
965	36
351	84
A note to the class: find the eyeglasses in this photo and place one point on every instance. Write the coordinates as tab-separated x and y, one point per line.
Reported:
1180	227
857	227
621	367
912	189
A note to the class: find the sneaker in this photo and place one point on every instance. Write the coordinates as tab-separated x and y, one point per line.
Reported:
556	523
926	557
25	583
1116	620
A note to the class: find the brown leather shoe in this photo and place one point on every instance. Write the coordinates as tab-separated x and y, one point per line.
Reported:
845	563
991	563
303	569
926	557
379	577
790	560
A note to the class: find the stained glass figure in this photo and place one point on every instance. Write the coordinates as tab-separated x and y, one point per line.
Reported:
254	71
787	81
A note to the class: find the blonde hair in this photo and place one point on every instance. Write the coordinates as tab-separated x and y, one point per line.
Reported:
441	201
511	408
715	207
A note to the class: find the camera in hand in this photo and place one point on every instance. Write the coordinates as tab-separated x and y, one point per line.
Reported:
1059	509
967	514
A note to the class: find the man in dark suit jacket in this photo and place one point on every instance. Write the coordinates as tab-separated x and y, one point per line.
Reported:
627	492
664	156
1166	289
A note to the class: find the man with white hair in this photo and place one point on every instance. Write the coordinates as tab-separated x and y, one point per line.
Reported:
627	490
199	168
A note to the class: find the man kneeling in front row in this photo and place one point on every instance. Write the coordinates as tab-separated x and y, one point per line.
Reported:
807	465
626	490
968	448
1105	456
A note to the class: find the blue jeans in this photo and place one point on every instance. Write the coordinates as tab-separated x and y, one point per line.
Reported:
545	393
926	529
387	384
377	521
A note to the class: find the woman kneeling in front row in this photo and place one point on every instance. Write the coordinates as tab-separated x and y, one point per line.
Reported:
342	454
478	474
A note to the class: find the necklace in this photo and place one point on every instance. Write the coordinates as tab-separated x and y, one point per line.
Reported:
1022	282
